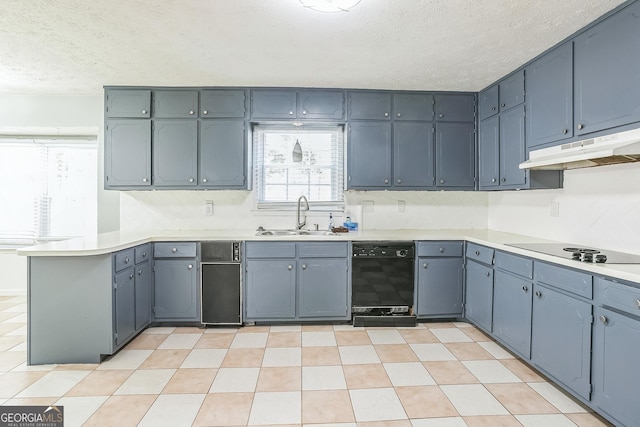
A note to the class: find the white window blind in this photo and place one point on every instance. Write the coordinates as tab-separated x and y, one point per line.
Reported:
291	161
48	189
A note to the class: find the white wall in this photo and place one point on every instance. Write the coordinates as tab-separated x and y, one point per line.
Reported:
184	210
597	207
13	280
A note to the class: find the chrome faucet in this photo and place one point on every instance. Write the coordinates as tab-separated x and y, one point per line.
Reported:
299	224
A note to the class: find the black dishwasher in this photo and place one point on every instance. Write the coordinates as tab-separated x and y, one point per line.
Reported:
221	283
382	284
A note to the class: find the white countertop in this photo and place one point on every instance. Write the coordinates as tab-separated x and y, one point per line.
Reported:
110	242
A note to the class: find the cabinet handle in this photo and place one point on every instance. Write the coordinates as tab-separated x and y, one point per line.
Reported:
131	276
386	180
580	126
190	266
441	250
290	267
399	115
603	319
291	113
304	266
477	253
204	179
637	302
205	112
525	289
493	108
539	294
386	114
191	112
488	274
565	131
399	181
504	179
144	111
174	250
304	112
126	260
442	181
144	180
503	105
190	179
144	254
424	265
493	180
441	115
139	272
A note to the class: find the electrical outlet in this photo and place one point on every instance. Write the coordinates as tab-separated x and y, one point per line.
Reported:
401	205
208	208
554	209
367	206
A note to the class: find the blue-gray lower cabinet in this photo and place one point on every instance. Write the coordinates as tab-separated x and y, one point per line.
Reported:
561	338
512	311
270	289
323	290
439	286
143	294
616	379
124	306
175	289
478	306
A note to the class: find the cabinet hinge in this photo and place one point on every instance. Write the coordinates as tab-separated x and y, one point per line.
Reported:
592	319
153	309
116	336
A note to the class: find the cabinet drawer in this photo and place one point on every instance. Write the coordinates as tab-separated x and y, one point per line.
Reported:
323	250
270	249
514	264
479	253
175	250
619	296
564	278
124	259
143	253
452	249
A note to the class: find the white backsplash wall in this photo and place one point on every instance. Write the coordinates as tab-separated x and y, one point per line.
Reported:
598	207
235	210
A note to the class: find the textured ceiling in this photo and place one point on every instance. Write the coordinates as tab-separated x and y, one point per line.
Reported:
77	46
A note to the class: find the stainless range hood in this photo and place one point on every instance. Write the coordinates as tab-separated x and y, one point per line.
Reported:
623	147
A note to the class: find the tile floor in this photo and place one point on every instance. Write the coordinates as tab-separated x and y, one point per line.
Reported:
434	375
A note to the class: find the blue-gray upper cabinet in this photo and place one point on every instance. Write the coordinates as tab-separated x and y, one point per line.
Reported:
222	154
550	97
511	91
369	105
488	102
175	151
455	108
175	104
413	163
439	279
128	103
223	103
607	66
455	155
290	104
413	106
512	147
489	153
369	161
321	105
127	153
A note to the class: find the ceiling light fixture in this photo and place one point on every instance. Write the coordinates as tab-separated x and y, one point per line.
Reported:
329	5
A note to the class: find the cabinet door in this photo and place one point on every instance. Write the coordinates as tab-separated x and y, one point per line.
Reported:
512	147
479	295
271	289
561	338
550	97
124	301
413	106
413	154
175	289
323	288
222	153
439	290
128	153
512	311
175	146
512	91
455	155
175	104
369	106
488	102
616	379
143	294
222	103
607	66
128	103
321	105
489	153
455	108
273	104
369	155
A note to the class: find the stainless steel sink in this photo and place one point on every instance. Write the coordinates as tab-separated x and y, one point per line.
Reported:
295	233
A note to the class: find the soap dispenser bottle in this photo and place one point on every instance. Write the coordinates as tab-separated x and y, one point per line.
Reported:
332	224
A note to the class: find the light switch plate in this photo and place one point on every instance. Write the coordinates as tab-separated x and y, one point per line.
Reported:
208	208
367	206
401	206
554	209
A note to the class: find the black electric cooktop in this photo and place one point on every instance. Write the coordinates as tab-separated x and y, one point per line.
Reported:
580	253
